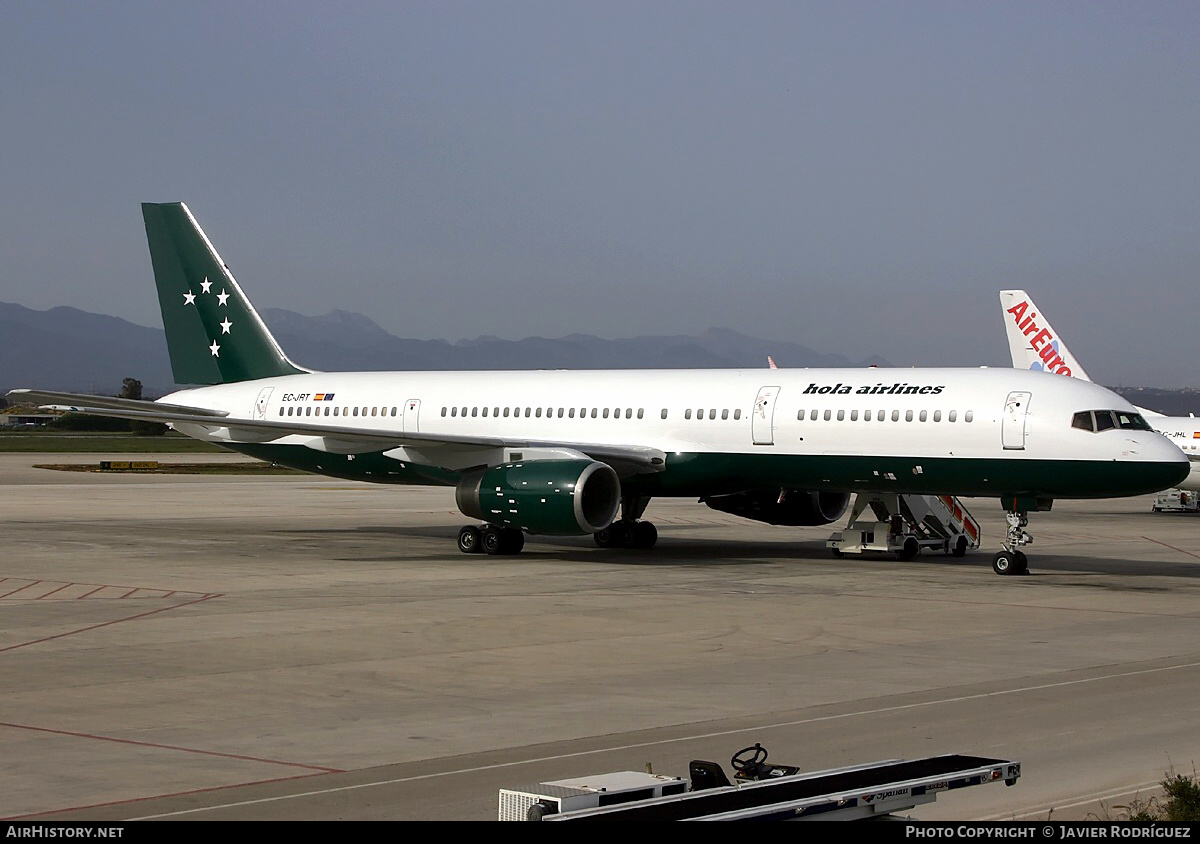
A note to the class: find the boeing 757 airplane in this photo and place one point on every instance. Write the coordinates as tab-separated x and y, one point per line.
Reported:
1034	344
584	452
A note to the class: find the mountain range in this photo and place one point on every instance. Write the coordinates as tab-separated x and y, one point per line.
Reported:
68	349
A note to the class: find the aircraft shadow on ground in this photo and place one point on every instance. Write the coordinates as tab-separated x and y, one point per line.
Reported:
673	550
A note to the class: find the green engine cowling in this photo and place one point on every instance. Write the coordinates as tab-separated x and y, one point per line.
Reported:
549	497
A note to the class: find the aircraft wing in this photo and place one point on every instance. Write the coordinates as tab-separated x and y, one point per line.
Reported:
342	439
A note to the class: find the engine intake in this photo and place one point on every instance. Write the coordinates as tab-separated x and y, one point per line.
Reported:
791	507
550	497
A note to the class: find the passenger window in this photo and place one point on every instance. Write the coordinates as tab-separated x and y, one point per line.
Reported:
725	413
629	413
908	416
737	414
854	416
308	411
952	416
937	416
687	414
528	412
485	413
841	415
924	415
443	411
664	413
882	416
799	415
969	416
281	411
605	414
712	414
813	416
895	416
560	413
335	411
327	412
593	413
571	413
866	416
828	415
474	411
356	411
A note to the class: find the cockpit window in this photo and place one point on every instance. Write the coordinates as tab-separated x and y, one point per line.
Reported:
1103	420
1132	421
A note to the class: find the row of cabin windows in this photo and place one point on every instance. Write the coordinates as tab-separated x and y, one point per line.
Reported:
344	411
909	416
584	412
712	414
548	412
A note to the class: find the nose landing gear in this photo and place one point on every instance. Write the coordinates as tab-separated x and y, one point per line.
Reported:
1010	560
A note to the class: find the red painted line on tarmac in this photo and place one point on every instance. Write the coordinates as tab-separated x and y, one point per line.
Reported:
52	591
241	758
107	623
93	592
171	794
15	591
1172	547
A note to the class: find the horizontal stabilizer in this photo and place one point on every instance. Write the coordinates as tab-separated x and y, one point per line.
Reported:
79	401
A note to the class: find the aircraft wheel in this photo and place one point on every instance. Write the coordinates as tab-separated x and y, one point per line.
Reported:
1022	563
645	534
512	541
960	547
468	540
604	538
838	552
491	539
1006	562
908	550
622	534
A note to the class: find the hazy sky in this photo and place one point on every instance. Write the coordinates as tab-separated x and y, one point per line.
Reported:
858	177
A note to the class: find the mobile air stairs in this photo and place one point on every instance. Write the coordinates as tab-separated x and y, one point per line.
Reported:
904	524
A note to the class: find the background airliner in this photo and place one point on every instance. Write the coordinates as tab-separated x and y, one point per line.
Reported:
584	452
1034	345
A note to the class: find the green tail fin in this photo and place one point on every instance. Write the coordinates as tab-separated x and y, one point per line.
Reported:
214	334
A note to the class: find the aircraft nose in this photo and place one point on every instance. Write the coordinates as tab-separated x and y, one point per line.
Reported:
1170	463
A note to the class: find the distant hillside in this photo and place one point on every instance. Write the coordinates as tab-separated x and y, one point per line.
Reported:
1167	402
68	349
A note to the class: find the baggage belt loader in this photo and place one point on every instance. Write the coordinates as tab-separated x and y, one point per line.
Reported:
760	791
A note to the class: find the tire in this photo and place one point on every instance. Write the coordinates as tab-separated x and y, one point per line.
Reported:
1005	563
622	534
645	534
604	537
1022	563
468	540
908	550
491	539
512	541
960	547
838	552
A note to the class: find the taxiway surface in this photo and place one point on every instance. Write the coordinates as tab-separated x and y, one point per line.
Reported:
207	647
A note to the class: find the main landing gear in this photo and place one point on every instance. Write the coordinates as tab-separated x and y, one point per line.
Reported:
490	539
1010	560
629	531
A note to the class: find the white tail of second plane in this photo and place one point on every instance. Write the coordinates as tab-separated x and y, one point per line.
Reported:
1032	343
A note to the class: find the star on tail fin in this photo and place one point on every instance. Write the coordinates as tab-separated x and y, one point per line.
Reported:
214	335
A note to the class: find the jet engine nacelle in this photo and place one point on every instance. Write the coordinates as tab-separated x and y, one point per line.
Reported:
550	497
791	507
